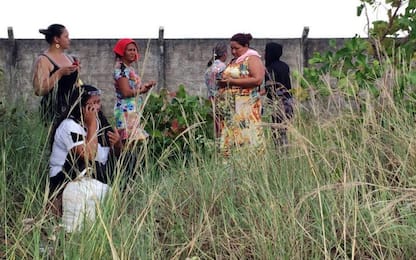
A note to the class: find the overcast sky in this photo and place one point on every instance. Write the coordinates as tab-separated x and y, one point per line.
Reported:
183	18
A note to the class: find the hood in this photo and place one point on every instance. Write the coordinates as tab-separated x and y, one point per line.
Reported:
273	52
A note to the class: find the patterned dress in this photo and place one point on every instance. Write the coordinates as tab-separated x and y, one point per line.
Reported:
211	75
240	110
127	111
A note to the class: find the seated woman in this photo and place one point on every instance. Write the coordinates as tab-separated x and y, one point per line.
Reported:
82	142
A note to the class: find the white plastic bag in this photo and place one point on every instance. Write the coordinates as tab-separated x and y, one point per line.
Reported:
79	201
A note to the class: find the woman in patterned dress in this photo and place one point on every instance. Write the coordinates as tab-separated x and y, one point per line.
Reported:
216	65
129	90
238	99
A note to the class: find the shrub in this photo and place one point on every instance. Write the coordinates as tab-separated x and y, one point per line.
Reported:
174	118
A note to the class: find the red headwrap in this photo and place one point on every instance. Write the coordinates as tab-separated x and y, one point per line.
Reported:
121	45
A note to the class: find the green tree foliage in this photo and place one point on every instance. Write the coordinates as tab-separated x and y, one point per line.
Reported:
361	62
401	22
350	66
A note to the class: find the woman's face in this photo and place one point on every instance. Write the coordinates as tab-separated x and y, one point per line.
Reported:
237	49
63	40
131	53
95	102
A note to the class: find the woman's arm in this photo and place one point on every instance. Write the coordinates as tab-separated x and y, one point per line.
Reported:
115	141
126	91
88	150
43	82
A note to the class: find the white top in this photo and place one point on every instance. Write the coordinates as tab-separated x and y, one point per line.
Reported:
63	143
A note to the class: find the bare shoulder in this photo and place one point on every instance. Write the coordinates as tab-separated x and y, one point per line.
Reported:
255	58
43	61
255	61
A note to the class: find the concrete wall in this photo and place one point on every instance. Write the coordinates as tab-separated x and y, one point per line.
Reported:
171	62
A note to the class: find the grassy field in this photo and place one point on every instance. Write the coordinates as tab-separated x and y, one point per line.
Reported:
344	189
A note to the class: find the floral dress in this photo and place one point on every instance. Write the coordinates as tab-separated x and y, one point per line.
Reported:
127	111
240	112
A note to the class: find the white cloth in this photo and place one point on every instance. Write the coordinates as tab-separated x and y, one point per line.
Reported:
79	200
249	52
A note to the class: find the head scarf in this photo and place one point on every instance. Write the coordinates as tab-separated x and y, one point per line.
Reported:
121	45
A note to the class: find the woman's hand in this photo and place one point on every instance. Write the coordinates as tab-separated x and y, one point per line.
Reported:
147	86
150	84
224	82
64	71
115	138
88	150
90	115
115	141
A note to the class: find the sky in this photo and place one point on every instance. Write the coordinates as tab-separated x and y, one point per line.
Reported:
86	19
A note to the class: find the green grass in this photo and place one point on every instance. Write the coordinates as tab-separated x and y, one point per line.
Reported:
345	189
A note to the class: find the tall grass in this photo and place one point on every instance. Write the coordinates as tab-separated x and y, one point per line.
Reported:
345	188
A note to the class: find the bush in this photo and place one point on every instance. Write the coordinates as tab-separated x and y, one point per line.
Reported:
175	118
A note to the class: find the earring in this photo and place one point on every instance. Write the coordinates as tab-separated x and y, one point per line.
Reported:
57	46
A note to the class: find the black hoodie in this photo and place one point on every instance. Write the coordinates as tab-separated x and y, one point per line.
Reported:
277	70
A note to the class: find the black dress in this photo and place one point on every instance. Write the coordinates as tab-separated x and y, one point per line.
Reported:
55	102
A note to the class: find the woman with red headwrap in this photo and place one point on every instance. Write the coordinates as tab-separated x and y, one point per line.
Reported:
128	87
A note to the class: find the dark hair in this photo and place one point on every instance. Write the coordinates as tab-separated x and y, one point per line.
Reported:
273	52
242	38
77	100
218	51
54	30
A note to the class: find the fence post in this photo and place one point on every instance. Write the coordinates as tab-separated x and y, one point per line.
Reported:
304	47
161	63
10	66
10	33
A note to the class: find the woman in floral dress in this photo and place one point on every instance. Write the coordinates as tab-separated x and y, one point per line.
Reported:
128	87
239	97
216	65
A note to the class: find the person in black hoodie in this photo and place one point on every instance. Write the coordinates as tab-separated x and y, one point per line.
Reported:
278	85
